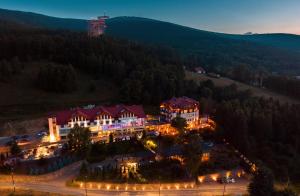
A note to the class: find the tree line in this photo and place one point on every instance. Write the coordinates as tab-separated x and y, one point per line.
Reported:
284	85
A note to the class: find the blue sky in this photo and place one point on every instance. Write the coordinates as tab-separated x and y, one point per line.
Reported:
230	16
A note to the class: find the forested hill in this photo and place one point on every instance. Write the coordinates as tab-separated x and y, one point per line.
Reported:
279	40
211	50
39	20
214	51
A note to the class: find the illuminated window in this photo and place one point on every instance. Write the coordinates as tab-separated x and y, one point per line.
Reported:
205	157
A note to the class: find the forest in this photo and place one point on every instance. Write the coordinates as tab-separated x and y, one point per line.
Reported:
144	74
265	130
284	85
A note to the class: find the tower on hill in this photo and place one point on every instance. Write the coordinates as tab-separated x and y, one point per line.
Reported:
97	26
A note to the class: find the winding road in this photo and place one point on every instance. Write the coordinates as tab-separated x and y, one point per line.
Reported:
58	185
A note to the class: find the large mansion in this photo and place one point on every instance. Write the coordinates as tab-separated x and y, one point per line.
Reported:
100	120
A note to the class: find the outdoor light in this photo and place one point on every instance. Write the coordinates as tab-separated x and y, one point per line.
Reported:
201	179
214	177
228	174
52	138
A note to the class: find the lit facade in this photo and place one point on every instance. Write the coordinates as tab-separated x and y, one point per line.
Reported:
183	107
100	120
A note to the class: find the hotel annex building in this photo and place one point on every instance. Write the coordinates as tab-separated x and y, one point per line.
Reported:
183	107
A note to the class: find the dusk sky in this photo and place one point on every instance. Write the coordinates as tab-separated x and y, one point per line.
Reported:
230	16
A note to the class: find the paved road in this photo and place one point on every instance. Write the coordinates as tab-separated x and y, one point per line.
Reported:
57	185
236	189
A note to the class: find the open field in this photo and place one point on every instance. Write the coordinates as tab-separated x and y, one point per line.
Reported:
259	92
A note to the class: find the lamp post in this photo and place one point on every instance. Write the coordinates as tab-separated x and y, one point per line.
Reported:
159	188
85	179
12	178
224	188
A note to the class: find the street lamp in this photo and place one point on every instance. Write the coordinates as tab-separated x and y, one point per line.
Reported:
159	188
159	178
12	178
85	179
224	190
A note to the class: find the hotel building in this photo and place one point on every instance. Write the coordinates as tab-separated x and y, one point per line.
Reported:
101	120
183	107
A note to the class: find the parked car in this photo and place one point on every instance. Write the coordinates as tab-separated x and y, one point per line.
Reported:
226	180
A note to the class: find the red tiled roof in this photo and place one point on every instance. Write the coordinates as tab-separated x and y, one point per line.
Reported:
199	69
181	102
63	117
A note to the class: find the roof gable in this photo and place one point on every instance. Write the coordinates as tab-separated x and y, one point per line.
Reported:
63	117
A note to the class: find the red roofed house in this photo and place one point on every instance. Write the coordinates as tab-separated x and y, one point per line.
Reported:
100	120
182	106
200	70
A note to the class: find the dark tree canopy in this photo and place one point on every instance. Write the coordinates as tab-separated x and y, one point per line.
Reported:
145	74
180	124
57	78
14	148
79	140
284	85
262	184
192	152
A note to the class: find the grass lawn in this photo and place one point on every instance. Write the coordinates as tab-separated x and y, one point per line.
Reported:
222	81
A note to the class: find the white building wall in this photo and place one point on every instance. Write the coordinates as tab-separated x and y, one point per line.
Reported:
189	116
97	125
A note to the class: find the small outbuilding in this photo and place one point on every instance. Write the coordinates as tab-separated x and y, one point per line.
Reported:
200	70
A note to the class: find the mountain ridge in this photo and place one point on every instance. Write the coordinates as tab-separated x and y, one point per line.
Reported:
278	52
41	20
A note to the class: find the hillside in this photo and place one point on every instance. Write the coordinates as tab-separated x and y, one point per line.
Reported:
39	20
211	50
214	51
257	92
279	40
